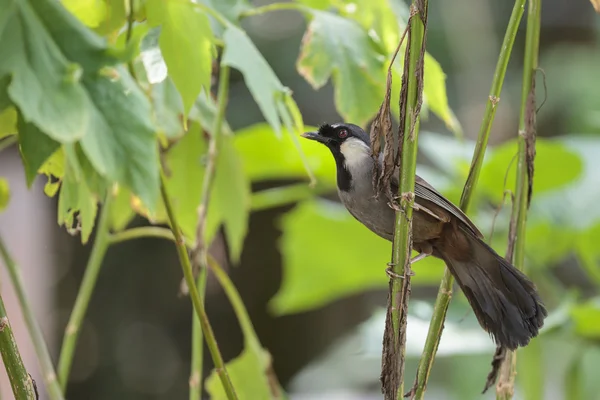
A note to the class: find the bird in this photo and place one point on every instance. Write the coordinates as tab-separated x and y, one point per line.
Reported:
505	301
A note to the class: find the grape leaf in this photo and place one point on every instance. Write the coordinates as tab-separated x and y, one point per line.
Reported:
121	212
185	172
77	204
255	144
247	374
266	89
587	319
35	148
52	55
230	201
90	12
338	47
312	253
186	43
8	122
54	166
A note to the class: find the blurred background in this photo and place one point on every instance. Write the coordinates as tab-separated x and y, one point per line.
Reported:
325	337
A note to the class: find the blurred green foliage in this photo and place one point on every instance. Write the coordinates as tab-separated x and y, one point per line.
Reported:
93	129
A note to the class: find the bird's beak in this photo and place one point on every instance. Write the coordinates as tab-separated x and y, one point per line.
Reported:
315	136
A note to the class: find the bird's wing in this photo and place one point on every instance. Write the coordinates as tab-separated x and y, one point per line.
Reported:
425	191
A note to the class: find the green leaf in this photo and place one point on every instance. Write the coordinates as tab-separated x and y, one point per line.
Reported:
77	205
549	175
121	212
168	108
8	122
266	89
375	15
255	144
90	12
434	90
186	43
586	318
248	380
52	55
325	258
54	166
185	173
336	46
230	201
229	9
36	147
122	143
4	193
40	70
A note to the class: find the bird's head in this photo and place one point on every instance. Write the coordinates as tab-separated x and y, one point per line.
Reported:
348	143
351	150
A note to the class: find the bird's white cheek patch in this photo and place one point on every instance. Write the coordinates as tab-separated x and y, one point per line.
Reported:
355	152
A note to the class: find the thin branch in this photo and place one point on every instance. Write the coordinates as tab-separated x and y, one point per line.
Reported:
250	337
272	7
35	332
445	291
144	232
20	380
92	269
284	195
200	252
197	302
506	380
7	142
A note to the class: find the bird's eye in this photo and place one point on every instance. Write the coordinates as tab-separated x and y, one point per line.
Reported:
342	134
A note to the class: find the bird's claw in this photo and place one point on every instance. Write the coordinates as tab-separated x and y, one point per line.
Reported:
390	272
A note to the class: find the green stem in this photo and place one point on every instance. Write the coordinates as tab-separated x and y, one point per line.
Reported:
35	332
144	232
284	195
196	301
402	244
200	251
236	302
20	381
92	269
445	291
197	341
506	379
272	7
7	142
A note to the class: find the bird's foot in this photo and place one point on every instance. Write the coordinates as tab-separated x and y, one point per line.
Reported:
390	272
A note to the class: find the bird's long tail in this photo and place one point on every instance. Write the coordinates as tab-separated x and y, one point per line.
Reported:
504	300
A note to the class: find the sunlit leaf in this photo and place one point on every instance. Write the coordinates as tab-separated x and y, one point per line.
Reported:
230	201
8	122
185	172
375	16
247	373
54	169
77	204
4	193
338	47
186	43
255	144
329	255
587	319
121	211
35	147
90	12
